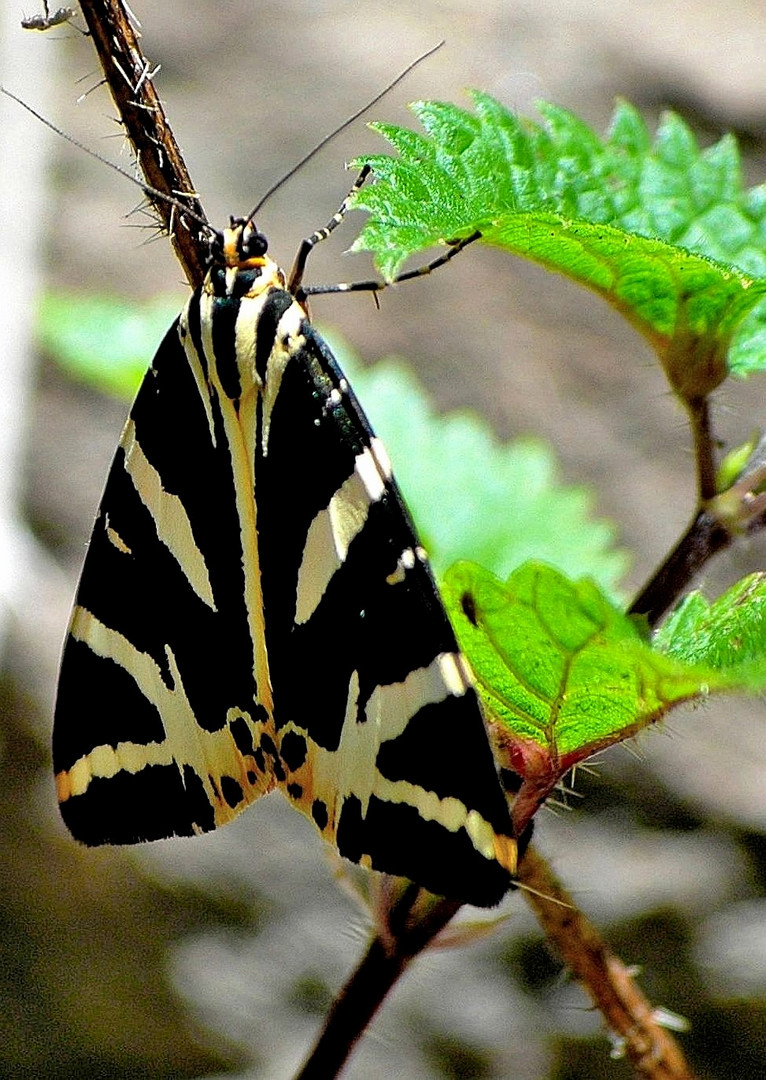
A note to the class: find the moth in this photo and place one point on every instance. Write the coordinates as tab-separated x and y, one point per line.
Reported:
256	612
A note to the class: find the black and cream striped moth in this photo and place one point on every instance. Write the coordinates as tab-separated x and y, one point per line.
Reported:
255	611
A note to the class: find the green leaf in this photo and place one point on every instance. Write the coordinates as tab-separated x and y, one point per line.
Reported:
564	673
473	496
557	663
664	231
104	341
728	635
685	306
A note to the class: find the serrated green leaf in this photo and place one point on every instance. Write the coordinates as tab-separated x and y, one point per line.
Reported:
628	133
662	231
556	662
674	143
102	340
563	673
748	349
455	131
474	497
728	634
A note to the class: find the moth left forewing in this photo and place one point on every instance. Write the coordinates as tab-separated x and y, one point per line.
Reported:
159	728
378	724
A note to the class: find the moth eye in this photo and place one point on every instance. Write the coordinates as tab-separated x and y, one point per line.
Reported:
253	244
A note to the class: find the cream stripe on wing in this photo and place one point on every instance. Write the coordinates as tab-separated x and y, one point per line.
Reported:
169	515
239	430
391	707
195	366
332	530
211	754
333	776
288	341
351	769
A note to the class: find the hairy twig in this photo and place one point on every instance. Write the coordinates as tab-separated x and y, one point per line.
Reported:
129	76
700	423
718	522
409	922
651	1050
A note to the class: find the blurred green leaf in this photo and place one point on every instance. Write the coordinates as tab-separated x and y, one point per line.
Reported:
728	634
107	342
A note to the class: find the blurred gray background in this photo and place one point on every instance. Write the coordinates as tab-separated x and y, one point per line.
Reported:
193	959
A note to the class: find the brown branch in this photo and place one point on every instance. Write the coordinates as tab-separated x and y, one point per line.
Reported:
704	446
703	539
409	924
410	919
738	511
129	76
651	1049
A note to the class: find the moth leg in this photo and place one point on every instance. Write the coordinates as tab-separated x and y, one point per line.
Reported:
454	248
307	245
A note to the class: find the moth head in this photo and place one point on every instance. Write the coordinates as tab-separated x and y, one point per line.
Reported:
239	261
241	246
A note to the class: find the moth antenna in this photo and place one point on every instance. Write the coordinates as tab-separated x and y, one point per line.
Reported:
146	188
341	127
171	201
